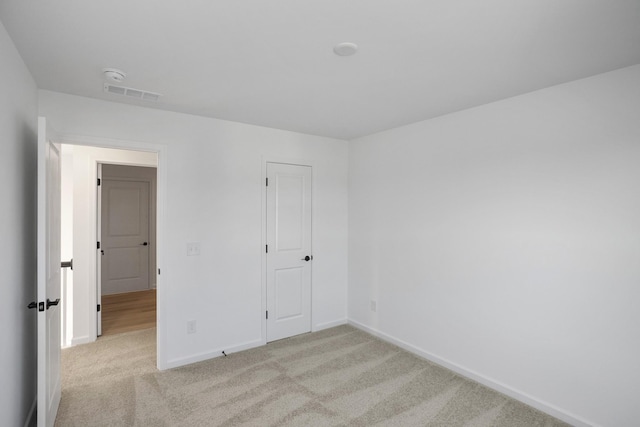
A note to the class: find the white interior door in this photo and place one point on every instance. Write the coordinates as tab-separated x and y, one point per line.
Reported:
288	250
99	253
49	326
125	236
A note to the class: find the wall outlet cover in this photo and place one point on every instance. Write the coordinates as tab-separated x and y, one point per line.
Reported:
191	326
193	249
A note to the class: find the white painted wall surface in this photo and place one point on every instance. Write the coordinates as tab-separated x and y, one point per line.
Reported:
79	165
18	136
505	241
214	196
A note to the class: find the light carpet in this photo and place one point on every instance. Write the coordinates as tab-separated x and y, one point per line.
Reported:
336	377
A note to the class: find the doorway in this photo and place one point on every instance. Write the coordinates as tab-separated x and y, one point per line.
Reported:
60	206
79	223
126	230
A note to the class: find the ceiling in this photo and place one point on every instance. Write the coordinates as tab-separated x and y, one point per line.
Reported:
271	63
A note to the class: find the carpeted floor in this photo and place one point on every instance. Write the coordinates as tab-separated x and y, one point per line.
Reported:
336	377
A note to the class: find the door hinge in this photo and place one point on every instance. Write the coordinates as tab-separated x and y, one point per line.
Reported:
158	272
98	307
98	245
267	180
266	248
267	314
98	182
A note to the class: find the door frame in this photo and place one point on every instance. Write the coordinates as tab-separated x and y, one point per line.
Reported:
161	184
263	192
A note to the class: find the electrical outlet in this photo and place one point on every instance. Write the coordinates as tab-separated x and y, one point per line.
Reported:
374	306
193	249
191	326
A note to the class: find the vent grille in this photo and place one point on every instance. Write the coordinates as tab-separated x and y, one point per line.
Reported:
131	93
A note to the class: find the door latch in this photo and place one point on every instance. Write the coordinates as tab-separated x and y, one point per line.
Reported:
33	304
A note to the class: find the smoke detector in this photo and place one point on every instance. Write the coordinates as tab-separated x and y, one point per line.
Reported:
114	74
345	49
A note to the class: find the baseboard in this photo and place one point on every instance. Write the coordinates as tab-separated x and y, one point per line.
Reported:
486	381
29	421
211	354
181	361
327	325
81	340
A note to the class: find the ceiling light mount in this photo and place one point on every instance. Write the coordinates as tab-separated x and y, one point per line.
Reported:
345	49
114	75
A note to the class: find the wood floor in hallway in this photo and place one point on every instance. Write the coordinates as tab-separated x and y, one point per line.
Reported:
128	312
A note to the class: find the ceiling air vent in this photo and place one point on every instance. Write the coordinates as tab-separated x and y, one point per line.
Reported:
131	93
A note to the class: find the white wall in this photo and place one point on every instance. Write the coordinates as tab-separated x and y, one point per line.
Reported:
79	165
214	189
504	240
18	128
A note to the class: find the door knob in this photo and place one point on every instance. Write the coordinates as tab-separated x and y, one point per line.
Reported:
307	258
50	303
144	244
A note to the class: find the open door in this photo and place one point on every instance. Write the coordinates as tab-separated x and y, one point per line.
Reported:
99	254
49	272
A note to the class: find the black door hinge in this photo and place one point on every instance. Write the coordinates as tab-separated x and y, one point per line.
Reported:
266	248
267	314
267	181
98	182
98	245
98	307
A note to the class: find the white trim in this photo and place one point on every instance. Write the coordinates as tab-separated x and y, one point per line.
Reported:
81	340
162	152
92	141
327	325
211	354
32	411
484	380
